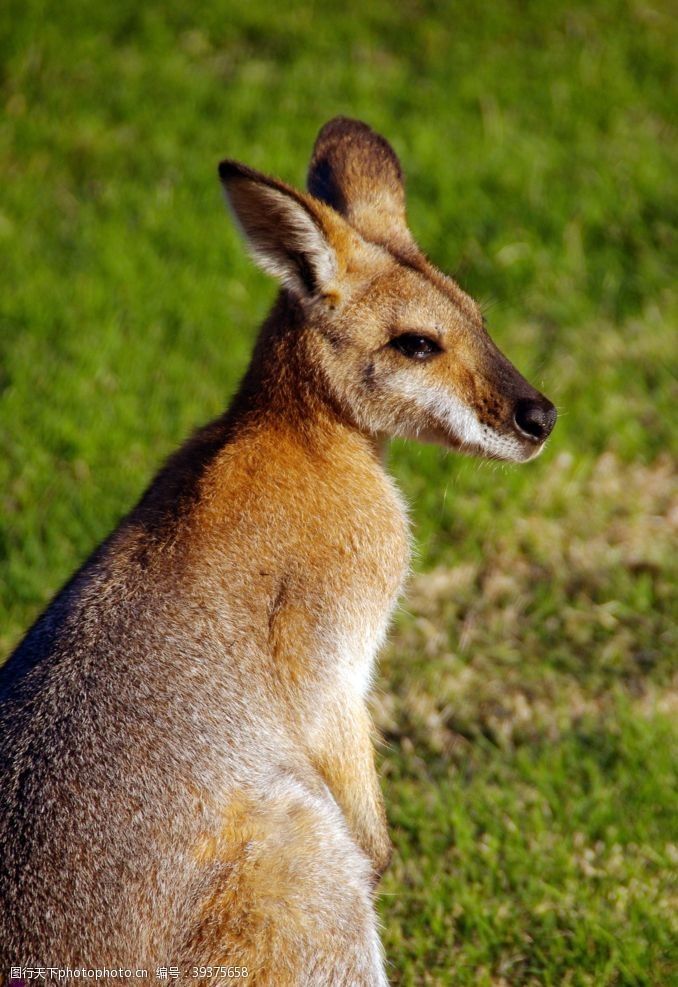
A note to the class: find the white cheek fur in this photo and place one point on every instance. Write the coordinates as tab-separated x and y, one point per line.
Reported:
459	419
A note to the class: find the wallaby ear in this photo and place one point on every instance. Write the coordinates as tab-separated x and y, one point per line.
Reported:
285	234
357	172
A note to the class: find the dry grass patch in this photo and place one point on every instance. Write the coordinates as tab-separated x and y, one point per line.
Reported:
571	605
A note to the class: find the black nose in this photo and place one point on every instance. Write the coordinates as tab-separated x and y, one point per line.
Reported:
535	418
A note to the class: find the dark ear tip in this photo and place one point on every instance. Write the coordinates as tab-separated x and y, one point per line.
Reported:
339	127
229	169
356	137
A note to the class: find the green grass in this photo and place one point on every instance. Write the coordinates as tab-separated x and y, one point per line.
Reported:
529	694
543	864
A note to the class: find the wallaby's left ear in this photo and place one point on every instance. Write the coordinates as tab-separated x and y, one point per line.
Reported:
357	172
285	233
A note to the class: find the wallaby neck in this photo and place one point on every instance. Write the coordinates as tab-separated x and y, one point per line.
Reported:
283	388
281	394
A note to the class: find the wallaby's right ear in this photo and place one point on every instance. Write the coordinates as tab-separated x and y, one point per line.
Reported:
286	236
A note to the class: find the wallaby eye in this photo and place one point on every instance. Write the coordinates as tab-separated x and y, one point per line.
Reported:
416	347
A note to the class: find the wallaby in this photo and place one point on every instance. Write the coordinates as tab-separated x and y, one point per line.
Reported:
187	771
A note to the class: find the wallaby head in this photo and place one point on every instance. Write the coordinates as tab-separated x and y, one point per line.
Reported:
394	345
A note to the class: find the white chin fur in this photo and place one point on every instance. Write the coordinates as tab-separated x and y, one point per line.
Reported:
465	431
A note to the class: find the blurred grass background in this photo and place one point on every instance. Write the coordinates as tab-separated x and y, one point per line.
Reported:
528	697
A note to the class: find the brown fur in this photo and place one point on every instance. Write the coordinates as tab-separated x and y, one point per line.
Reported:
188	773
